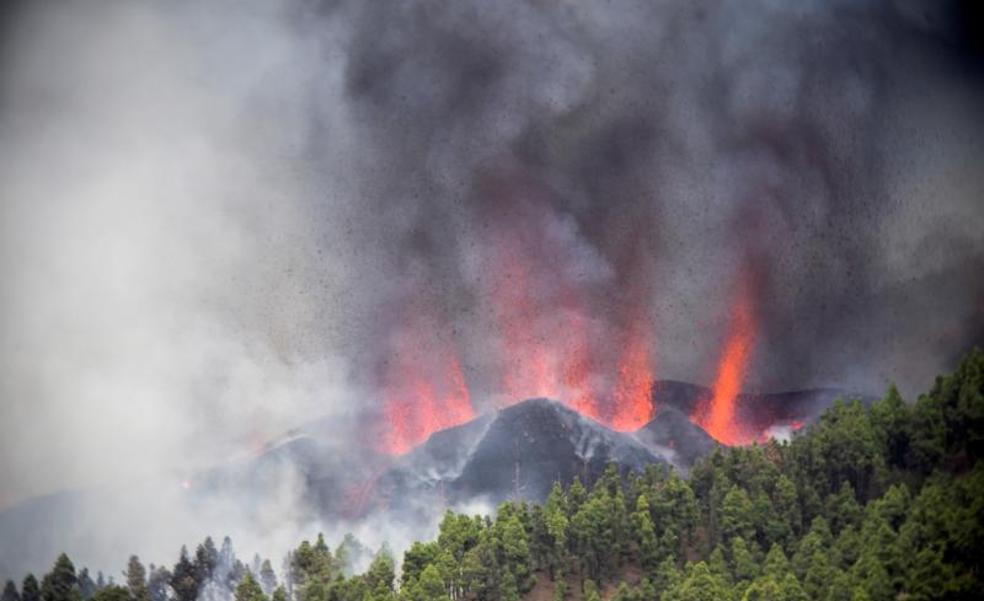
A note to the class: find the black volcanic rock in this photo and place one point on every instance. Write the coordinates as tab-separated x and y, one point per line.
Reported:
534	443
672	429
517	452
682	396
444	454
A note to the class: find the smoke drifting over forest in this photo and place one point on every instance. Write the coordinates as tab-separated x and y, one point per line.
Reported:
222	219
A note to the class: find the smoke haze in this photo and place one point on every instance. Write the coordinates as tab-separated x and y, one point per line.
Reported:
223	219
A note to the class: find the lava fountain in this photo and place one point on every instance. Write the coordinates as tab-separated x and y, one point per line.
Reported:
633	394
424	388
537	313
719	415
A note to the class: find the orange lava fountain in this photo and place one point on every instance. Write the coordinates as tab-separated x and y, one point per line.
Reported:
577	371
418	406
424	388
538	316
719	416
633	393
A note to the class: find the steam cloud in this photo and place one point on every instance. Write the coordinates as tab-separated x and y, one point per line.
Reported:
217	216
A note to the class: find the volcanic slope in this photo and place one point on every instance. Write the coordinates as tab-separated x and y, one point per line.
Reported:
682	441
517	452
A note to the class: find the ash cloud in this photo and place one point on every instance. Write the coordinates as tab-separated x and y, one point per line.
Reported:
213	213
832	149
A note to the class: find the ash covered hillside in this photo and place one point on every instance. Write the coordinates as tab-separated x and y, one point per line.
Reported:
519	453
515	452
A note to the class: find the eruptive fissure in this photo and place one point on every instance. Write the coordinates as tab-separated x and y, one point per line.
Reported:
425	387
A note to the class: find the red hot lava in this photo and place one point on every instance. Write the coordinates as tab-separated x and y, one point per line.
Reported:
539	309
424	388
537	313
634	390
718	416
538	302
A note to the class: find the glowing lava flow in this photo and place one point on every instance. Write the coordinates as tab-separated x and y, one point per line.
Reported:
719	415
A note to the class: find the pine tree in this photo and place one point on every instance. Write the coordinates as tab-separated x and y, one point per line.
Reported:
623	593
508	590
842	509
743	565
649	548
766	588
268	578
87	588
158	583
737	518
818	575
380	576
136	580
61	583
10	592
557	526
590	591
249	589
791	589
430	587
698	585
416	559
776	564
347	553
891	421
184	579
787	520
206	560
112	592
30	591
576	496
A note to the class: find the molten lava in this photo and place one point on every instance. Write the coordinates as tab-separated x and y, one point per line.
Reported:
634	390
719	416
552	345
530	370
577	371
417	406
539	317
424	389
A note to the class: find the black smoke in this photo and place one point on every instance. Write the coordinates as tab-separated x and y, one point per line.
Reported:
832	149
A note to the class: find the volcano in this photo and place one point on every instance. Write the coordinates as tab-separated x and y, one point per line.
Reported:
512	453
516	452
